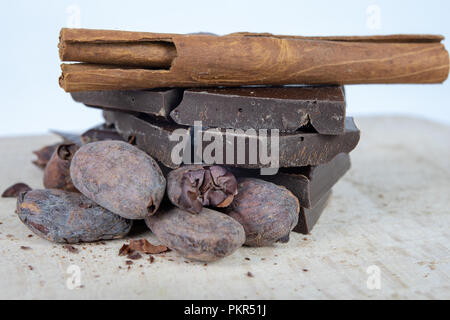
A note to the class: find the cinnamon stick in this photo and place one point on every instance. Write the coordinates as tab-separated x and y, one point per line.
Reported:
124	60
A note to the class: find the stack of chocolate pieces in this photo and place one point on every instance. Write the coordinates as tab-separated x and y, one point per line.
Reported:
314	137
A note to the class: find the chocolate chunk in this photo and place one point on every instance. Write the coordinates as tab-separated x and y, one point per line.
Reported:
309	217
295	149
285	108
157	103
308	184
150	136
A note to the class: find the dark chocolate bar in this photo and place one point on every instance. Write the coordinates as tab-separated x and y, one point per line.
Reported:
157	103
285	108
150	135
308	184
309	217
295	149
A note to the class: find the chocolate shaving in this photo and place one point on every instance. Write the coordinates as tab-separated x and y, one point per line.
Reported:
144	246
141	245
124	250
15	190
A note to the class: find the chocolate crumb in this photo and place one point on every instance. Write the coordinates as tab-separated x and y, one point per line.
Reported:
124	250
134	256
305	270
29	236
25	248
31	268
151	259
70	248
248	259
250	275
128	263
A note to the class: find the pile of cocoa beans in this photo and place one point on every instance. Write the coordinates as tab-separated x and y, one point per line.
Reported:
94	192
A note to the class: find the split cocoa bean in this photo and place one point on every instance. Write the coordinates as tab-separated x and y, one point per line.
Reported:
44	155
67	217
207	236
57	170
267	212
194	186
119	177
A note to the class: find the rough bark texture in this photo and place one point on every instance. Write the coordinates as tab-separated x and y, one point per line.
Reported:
268	212
119	177
67	217
245	59
207	236
194	186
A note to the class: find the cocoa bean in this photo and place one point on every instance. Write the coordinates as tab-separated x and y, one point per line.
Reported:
44	155
207	236
67	217
57	171
119	177
267	212
194	186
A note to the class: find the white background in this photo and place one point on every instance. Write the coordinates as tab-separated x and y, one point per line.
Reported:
32	102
